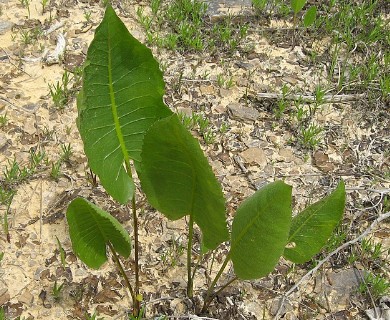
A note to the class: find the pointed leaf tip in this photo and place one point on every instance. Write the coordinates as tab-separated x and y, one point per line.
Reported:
121	98
311	228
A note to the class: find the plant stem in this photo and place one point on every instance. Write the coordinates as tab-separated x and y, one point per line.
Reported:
136	257
136	300
294	30
209	295
122	271
190	281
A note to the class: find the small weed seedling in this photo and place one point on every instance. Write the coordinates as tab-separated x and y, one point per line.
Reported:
55	172
60	92
310	16
377	285
26	4
66	152
62	253
3	120
309	136
44	4
174	174
92	317
56	292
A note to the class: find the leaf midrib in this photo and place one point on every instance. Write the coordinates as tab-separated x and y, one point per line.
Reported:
114	108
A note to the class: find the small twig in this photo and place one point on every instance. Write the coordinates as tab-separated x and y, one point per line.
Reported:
311	98
320	263
19	68
369	293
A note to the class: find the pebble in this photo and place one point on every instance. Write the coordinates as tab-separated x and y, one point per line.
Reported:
206	90
255	156
5	26
338	288
239	112
4	296
26	298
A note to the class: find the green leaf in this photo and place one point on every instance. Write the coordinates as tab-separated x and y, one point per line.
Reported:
311	228
260	231
177	179
297	5
310	16
91	229
121	97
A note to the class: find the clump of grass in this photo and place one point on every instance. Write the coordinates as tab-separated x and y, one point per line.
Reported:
199	122
60	92
181	25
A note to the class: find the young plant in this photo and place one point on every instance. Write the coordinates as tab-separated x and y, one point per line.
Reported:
122	120
309	18
56	291
3	120
44	4
26	4
62	253
92	317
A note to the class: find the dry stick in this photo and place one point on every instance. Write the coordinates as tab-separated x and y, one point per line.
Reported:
305	98
320	263
369	294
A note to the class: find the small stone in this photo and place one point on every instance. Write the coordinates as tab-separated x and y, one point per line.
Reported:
244	65
4	143
4	296
5	26
255	156
239	112
286	153
29	127
339	287
26	298
178	306
32	107
276	305
290	80
224	93
207	90
321	160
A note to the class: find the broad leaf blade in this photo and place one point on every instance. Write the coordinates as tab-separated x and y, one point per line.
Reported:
310	16
121	97
177	179
260	231
91	229
297	5
311	228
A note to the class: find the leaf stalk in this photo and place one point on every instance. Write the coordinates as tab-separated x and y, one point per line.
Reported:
209	294
122	271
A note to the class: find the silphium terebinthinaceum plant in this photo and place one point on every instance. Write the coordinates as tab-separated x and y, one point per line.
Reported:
125	124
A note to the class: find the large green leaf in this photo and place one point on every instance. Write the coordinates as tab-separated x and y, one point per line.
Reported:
177	179
313	226
91	229
121	97
260	231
